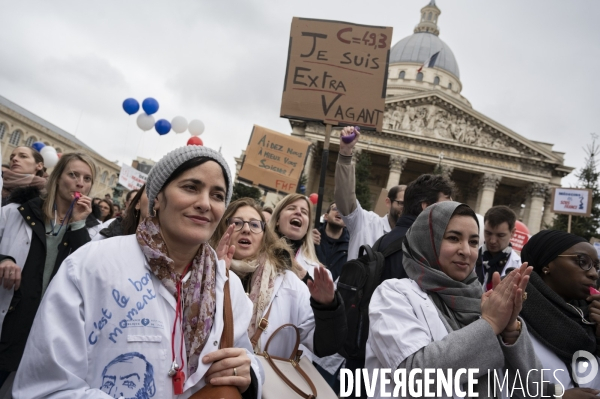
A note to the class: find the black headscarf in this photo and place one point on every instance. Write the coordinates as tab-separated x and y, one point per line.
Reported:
545	246
548	316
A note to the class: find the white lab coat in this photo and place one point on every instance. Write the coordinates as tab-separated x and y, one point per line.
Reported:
15	241
98	228
365	228
550	361
290	303
105	325
403	319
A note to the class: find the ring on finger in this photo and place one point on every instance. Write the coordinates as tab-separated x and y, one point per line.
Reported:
524	296
234	372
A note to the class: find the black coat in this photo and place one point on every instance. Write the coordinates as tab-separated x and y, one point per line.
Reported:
333	253
393	263
26	300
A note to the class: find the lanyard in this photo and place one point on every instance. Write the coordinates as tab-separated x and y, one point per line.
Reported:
66	218
176	371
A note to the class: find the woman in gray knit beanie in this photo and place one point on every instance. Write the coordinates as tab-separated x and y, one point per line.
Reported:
154	300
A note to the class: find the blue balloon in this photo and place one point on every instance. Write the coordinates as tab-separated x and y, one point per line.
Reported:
150	105
162	126
38	145
131	106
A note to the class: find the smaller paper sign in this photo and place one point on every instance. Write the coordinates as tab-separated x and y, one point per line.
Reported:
274	160
572	201
132	178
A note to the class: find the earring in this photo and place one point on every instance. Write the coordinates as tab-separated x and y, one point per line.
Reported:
545	271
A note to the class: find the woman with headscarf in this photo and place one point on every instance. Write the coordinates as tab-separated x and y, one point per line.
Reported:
562	316
439	319
26	170
141	316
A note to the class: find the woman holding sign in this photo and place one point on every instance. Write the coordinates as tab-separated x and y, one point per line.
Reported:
142	316
562	312
439	319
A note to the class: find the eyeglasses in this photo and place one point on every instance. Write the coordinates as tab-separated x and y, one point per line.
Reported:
399	202
585	262
256	226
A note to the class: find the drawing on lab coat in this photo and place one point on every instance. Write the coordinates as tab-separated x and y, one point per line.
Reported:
129	375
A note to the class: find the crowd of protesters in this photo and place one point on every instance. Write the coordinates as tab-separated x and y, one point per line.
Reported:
102	301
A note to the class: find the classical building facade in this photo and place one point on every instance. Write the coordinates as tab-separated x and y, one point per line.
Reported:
19	127
428	125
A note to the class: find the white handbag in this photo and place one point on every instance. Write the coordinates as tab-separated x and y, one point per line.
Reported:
295	377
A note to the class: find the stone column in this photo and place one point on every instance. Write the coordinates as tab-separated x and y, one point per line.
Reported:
308	165
298	127
487	189
397	164
536	195
548	217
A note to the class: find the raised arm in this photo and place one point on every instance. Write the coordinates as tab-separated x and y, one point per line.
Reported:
345	185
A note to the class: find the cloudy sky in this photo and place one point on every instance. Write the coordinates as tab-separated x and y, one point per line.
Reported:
532	66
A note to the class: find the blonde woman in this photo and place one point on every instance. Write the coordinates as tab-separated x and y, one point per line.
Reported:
292	220
35	237
264	262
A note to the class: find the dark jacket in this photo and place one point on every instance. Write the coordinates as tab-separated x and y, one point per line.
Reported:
393	263
333	253
114	229
27	298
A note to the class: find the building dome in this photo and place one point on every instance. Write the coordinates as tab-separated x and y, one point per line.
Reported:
419	47
425	42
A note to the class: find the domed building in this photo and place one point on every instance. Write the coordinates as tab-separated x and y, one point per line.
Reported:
429	126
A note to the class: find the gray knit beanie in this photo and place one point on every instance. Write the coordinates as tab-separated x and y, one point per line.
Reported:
169	163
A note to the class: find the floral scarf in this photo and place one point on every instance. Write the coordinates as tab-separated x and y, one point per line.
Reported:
262	282
198	292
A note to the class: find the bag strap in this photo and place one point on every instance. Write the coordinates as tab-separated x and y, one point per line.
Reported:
290	383
262	326
393	247
297	339
227	336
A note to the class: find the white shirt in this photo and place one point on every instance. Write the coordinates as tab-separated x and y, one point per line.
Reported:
365	227
104	328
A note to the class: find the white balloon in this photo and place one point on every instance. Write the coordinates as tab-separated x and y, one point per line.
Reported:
145	121
196	127
179	124
47	150
50	157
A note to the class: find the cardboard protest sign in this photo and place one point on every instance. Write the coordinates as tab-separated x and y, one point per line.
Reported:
273	160
572	201
336	73
132	178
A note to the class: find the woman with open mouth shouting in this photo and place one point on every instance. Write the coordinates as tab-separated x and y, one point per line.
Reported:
264	264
